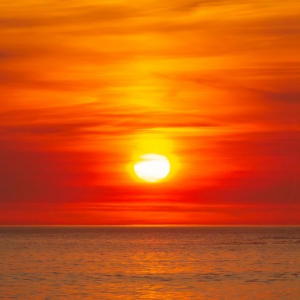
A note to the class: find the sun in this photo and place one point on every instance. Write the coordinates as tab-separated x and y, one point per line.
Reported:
152	167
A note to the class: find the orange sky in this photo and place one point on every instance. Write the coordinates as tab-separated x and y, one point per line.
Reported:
86	86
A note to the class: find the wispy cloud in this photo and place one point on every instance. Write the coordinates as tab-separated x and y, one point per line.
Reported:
82	83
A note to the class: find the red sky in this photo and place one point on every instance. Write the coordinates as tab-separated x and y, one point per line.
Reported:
213	85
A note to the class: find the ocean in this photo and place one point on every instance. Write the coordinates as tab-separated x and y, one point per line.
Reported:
149	262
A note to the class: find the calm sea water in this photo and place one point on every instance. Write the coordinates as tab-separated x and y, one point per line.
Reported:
149	263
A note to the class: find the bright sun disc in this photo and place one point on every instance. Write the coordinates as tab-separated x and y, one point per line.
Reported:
152	167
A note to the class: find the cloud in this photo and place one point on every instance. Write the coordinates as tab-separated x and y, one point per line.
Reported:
81	83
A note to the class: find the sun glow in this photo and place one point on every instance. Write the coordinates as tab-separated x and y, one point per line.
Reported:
152	167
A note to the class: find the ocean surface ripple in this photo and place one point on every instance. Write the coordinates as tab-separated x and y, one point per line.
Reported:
79	262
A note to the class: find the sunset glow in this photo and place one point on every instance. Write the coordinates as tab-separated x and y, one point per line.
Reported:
88	88
152	167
